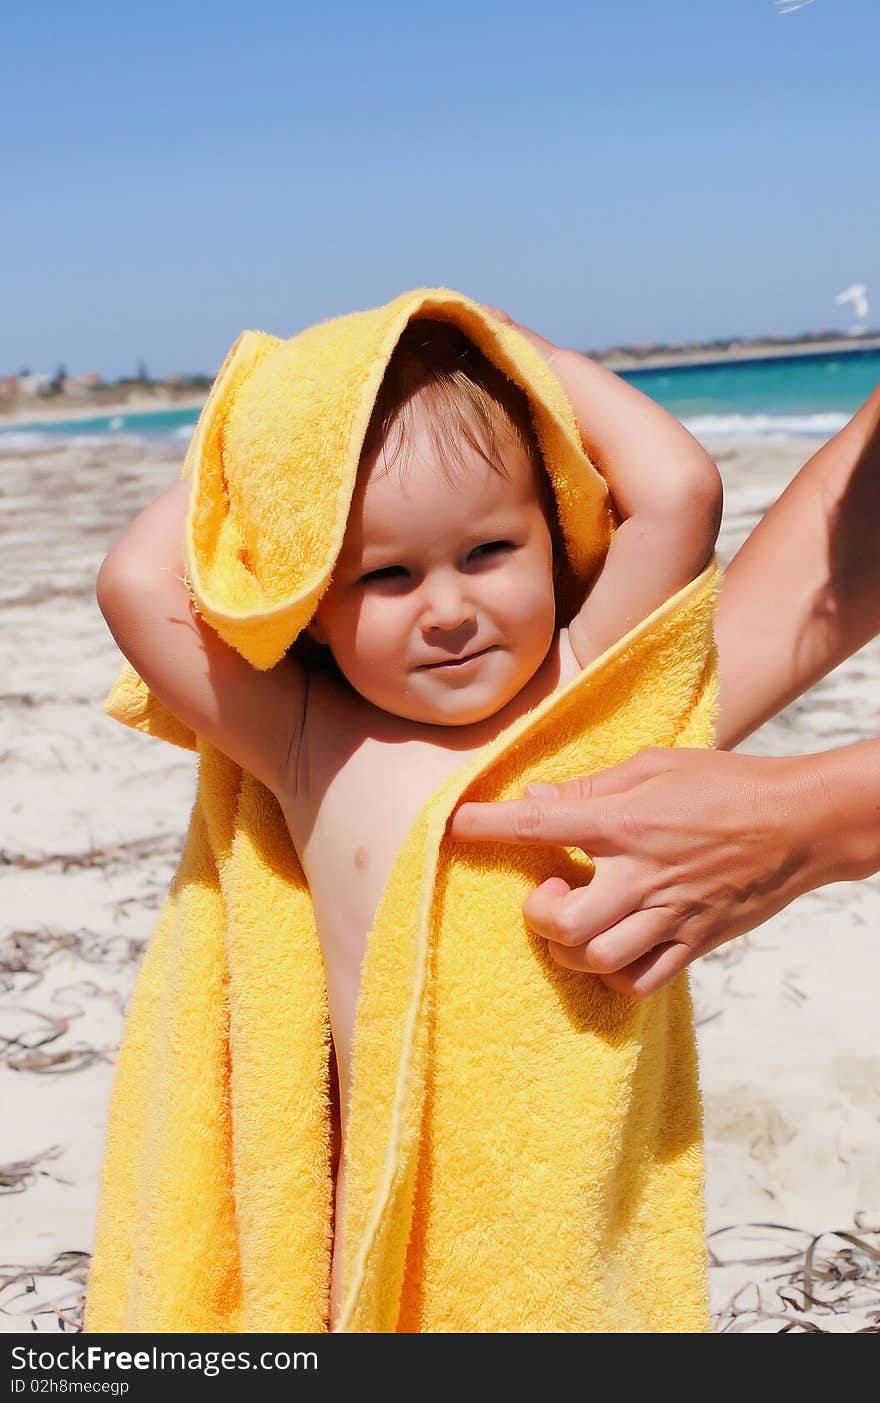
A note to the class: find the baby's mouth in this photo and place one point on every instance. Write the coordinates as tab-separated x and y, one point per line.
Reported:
454	662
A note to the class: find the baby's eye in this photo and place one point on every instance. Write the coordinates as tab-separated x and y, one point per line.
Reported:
391	572
387	572
494	546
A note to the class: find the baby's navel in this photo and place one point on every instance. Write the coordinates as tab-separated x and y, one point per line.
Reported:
361	857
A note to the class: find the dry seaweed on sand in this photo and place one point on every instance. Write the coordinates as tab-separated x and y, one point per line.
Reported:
62	1280
154	845
29	953
21	1174
835	1273
25	1051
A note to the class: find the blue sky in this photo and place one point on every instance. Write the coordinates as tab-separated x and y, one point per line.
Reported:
607	172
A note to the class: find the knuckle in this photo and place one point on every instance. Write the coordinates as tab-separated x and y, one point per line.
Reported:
582	788
687	936
655	758
528	823
565	926
600	958
683	921
648	762
639	992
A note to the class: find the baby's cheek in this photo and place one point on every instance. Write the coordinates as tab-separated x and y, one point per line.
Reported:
379	632
532	597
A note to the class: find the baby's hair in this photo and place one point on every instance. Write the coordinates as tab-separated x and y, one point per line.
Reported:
467	398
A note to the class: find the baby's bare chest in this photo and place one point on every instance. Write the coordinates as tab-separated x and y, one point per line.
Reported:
350	807
357	786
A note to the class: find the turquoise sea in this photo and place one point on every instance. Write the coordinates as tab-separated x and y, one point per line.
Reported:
793	396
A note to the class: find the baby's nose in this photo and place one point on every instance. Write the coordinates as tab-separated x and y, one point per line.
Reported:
446	607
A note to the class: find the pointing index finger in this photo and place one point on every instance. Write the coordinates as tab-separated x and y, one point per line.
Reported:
576	824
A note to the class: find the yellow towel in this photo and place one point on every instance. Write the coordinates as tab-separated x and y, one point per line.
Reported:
524	1148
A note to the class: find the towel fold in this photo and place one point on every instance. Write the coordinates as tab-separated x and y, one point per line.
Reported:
524	1145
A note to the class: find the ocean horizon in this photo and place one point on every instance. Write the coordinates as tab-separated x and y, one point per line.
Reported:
808	395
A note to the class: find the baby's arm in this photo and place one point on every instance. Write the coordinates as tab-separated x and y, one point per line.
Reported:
664	485
253	716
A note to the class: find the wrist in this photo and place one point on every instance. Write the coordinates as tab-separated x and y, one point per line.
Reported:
837	796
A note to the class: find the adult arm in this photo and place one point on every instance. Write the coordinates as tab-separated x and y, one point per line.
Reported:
803	592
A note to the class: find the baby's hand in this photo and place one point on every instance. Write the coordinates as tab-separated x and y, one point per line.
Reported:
546	348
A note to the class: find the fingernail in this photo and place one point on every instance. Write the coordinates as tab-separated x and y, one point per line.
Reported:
539	789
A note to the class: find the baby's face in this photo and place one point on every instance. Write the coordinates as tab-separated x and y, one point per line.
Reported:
430	573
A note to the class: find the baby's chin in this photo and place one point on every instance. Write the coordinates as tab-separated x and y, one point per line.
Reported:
458	715
437	704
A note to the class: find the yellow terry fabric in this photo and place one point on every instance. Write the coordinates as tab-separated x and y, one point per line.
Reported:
524	1147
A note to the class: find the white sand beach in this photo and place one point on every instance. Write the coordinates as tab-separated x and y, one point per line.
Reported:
92	827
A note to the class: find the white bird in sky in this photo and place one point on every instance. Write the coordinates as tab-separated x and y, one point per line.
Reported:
857	294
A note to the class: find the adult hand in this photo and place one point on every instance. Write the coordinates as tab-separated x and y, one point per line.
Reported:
691	848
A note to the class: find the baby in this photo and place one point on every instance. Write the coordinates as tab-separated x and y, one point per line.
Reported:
439	626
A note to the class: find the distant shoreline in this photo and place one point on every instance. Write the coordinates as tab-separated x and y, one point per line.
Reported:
694	356
36	411
40	412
